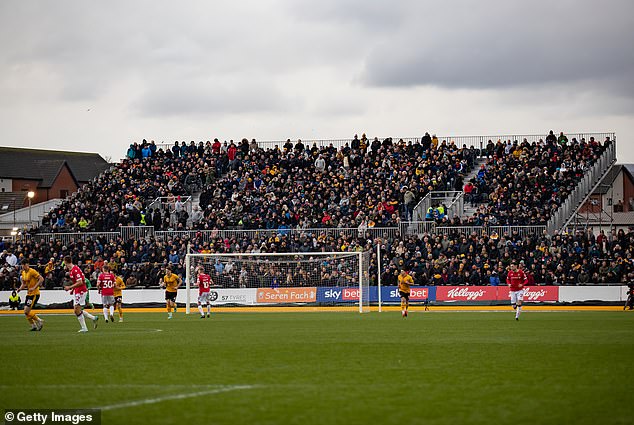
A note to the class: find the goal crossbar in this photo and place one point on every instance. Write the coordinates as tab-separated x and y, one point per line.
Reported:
280	261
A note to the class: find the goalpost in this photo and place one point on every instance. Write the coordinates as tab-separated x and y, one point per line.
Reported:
269	279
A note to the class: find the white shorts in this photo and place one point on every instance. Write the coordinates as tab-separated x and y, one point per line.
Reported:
203	298
516	296
80	299
107	300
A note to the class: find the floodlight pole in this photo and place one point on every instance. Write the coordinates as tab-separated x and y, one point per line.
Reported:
30	195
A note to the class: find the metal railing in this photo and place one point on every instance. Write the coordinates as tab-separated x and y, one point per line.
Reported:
136	232
430	227
67	238
406	228
418	227
489	230
145	232
356	232
456	207
453	201
564	214
478	142
168	203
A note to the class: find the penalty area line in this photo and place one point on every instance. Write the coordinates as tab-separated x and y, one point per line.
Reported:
181	396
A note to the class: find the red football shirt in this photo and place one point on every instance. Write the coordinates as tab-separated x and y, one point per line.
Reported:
516	280
203	281
76	275
106	282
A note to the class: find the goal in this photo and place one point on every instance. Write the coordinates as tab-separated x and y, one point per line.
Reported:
283	279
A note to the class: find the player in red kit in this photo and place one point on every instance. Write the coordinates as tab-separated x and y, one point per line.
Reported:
516	279
106	283
79	291
203	281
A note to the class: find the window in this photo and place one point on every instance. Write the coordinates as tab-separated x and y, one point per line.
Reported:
63	193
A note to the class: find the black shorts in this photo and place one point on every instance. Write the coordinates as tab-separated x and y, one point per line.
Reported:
31	300
170	296
404	295
118	300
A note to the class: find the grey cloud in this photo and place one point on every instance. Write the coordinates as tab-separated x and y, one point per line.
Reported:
351	15
492	44
212	98
91	48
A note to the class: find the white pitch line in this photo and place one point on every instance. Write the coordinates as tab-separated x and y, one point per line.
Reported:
162	386
175	397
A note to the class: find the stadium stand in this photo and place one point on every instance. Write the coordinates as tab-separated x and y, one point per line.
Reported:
522	183
321	198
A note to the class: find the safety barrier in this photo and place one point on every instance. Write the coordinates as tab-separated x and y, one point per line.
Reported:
430	227
356	232
477	142
68	238
385	233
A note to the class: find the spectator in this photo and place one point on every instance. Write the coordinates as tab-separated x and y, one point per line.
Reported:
14	301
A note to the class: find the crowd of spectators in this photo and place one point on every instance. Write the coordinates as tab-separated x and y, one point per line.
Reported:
455	258
362	185
523	183
247	186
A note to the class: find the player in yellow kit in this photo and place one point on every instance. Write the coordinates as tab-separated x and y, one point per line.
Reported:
170	282
404	283
119	285
31	280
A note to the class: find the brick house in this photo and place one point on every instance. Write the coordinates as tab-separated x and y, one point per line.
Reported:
50	174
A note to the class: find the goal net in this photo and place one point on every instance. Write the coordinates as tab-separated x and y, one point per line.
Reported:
282	279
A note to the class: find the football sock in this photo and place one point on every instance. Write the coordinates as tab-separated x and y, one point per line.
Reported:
82	321
200	308
105	313
519	310
89	316
208	308
120	312
112	311
169	309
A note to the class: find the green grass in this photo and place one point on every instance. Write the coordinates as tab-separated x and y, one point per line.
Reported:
325	368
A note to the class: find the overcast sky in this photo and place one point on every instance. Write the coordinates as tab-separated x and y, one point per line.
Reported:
96	76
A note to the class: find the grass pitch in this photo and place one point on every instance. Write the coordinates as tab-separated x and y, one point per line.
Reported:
328	368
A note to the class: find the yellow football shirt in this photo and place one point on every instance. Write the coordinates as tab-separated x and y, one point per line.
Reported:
404	283
30	279
118	286
171	282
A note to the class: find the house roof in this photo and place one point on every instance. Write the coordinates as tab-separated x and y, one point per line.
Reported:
19	163
10	201
609	179
50	169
